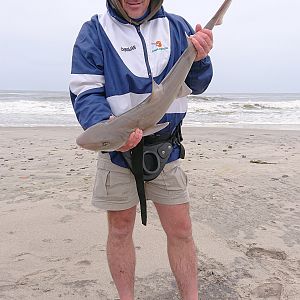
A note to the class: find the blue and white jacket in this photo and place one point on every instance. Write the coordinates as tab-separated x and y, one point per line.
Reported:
114	63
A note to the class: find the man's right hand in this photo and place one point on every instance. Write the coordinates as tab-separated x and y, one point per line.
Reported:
134	138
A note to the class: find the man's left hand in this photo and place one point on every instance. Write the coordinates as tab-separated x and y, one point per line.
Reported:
134	138
202	41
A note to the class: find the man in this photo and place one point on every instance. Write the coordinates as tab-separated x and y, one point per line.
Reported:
116	56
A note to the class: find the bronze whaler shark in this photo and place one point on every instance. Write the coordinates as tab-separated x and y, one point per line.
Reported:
110	135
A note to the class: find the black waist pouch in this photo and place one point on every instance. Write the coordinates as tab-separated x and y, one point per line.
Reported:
155	156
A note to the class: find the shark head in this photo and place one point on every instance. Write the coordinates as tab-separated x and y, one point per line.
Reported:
100	138
103	145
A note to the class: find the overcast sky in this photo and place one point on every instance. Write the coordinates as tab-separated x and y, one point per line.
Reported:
257	49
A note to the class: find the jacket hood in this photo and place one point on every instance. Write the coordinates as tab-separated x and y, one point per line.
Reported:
155	6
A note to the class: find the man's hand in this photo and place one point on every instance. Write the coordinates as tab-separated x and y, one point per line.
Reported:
202	41
134	138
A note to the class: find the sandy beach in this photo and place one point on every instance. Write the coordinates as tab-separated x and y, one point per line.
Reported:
245	207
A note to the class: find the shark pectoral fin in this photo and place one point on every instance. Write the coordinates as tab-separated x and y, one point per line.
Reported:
155	128
184	91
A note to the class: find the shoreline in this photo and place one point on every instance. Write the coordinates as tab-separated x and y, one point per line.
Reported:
185	127
244	189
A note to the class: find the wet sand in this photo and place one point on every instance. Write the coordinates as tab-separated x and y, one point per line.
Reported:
245	206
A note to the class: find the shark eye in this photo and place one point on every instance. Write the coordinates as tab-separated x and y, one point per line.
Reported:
105	144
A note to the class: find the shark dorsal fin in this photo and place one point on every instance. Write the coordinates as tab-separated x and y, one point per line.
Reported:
184	91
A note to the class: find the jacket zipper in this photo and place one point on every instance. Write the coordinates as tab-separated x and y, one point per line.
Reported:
138	29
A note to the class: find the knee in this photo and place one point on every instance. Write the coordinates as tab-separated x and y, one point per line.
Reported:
180	230
120	226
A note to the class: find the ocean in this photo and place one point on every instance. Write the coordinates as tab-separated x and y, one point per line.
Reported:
269	111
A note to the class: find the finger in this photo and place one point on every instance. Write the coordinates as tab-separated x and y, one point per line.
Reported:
208	41
134	138
200	51
139	133
204	41
205	45
198	28
209	33
205	36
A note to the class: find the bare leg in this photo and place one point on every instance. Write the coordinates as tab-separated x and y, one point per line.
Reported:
121	252
176	222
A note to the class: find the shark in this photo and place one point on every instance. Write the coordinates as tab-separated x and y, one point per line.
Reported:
112	134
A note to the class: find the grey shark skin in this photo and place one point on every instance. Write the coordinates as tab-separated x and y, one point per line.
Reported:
110	135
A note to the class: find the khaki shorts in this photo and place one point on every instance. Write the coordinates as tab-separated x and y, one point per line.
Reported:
115	187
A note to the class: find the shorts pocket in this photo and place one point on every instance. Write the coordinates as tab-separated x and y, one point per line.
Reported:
175	179
117	183
101	183
181	177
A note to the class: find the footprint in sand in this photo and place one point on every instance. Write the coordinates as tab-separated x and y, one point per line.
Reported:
66	219
268	291
83	263
47	240
67	240
261	252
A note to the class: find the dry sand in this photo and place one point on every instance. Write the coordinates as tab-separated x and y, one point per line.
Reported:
245	206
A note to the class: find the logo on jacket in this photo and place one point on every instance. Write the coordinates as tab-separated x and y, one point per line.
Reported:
128	49
158	46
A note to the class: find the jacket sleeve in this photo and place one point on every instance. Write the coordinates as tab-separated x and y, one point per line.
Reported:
201	72
200	76
87	84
